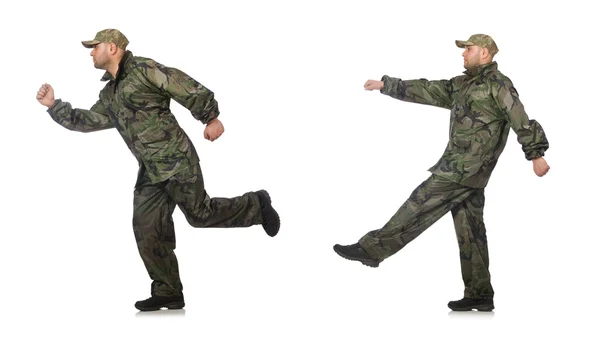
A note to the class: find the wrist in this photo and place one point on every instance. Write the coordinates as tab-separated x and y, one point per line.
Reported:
52	104
382	83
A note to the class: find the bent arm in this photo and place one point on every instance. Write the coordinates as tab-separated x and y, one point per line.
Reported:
530	133
183	89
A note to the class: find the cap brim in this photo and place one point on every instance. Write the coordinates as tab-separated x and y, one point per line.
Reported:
90	43
463	44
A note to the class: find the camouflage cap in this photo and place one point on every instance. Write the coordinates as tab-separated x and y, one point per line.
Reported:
108	35
481	40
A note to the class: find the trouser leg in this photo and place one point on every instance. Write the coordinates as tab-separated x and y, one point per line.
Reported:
431	200
187	190
155	236
472	243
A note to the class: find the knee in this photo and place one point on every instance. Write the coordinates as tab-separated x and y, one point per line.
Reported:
200	220
201	215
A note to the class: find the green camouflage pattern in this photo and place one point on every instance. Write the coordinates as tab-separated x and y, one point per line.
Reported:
484	107
109	36
153	226
481	40
430	201
137	104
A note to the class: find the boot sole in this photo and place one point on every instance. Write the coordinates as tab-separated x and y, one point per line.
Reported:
480	308
171	306
270	207
366	262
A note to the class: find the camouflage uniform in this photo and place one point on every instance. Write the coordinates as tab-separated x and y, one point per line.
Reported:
136	103
484	105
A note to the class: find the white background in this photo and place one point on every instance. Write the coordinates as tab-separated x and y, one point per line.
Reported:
337	160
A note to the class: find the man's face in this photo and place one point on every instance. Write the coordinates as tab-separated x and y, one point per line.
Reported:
472	57
100	55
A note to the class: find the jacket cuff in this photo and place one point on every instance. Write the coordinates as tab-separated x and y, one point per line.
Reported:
534	154
390	85
56	103
211	115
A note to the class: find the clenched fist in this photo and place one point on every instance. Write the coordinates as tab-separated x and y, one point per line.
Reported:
540	166
373	84
46	95
213	130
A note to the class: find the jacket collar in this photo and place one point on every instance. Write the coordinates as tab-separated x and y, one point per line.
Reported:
482	70
124	66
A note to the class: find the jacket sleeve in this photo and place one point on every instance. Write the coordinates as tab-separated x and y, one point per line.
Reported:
435	93
184	89
529	132
81	120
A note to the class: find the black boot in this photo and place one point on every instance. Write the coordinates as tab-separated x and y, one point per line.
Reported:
269	215
155	303
468	304
356	252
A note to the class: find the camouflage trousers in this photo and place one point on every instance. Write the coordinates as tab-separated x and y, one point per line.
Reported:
153	227
431	200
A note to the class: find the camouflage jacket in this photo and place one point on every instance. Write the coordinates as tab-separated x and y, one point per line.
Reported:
136	102
484	107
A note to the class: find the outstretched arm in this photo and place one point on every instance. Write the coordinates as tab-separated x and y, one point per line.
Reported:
435	93
75	119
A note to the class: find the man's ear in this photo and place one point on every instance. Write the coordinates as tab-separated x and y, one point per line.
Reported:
485	53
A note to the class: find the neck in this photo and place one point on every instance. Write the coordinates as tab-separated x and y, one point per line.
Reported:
474	70
114	67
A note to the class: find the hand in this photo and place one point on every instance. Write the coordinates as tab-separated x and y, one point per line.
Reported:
540	166
213	130
373	84
46	95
